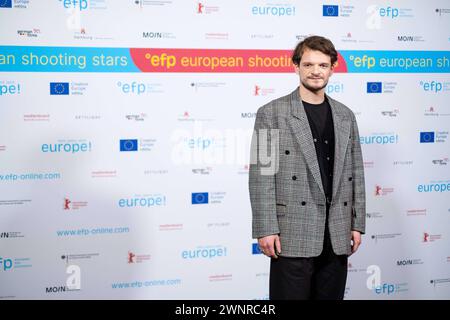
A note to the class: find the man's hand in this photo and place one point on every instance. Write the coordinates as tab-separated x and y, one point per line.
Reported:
356	240
270	245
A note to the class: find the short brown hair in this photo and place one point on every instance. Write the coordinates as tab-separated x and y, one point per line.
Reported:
318	43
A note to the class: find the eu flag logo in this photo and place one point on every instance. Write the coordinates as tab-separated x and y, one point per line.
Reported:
255	249
330	11
426	137
128	145
373	87
59	88
5	3
199	197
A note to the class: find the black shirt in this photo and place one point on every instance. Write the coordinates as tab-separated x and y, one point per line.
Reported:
321	123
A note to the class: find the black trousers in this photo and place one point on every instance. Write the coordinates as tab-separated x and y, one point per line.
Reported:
318	278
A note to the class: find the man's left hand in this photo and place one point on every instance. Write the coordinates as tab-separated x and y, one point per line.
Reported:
356	240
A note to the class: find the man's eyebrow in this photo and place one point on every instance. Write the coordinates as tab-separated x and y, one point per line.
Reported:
303	62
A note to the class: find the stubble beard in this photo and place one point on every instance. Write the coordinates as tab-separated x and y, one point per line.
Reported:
313	89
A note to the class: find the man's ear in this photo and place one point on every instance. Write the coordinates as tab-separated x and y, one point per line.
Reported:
332	68
296	68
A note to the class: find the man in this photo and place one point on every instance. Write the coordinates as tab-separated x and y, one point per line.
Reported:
308	201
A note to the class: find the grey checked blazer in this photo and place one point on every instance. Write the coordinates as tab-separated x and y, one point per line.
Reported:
295	207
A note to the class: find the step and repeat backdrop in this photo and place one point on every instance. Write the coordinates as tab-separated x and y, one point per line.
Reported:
125	132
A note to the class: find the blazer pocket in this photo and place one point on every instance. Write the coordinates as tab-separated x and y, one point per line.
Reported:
281	209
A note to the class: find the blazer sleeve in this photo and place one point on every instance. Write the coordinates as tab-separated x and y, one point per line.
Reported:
264	146
359	194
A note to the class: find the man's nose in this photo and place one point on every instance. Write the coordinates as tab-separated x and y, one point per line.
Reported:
316	69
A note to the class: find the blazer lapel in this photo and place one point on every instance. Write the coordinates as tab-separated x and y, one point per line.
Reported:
300	128
342	126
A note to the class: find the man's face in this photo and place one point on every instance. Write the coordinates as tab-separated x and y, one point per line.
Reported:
314	70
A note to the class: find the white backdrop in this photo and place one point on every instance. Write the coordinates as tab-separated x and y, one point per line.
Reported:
126	177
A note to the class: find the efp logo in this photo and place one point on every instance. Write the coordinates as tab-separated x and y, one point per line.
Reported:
5	264
330	11
8	264
128	145
139	88
432	86
386	288
389	12
427	137
200	198
374	87
75	4
59	88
